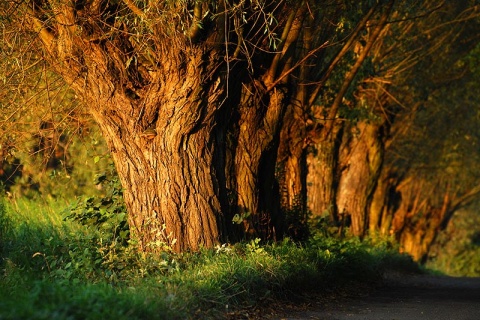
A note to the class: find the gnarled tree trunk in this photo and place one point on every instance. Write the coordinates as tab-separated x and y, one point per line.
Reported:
322	178
167	156
255	158
161	127
361	162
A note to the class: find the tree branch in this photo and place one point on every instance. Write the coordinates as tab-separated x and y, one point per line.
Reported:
355	68
286	40
194	30
339	55
38	26
289	71
134	8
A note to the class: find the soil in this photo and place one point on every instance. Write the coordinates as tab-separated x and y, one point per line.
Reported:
400	297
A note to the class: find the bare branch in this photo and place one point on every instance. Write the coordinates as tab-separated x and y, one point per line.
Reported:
289	71
288	37
355	68
340	55
194	31
38	26
136	10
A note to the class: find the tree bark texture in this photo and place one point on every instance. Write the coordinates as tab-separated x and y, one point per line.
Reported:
322	177
169	178
361	160
161	127
292	162
255	158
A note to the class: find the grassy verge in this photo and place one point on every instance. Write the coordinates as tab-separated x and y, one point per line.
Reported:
55	269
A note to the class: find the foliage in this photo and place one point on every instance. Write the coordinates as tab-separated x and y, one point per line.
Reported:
43	175
106	213
56	269
456	250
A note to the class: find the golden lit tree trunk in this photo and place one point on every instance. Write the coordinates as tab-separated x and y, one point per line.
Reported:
166	159
261	112
322	178
292	163
362	156
255	157
161	128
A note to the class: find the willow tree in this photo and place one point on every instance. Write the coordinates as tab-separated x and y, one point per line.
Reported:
312	133
415	39
432	165
190	97
419	188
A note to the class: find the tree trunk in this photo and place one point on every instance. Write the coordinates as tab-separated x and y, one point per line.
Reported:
361	162
385	202
292	174
416	221
171	179
165	142
292	163
322	178
255	158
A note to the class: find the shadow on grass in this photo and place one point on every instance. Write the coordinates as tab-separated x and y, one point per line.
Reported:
71	272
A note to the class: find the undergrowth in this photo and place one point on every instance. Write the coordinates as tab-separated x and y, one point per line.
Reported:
52	268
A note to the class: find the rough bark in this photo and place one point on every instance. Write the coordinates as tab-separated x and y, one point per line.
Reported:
255	158
261	112
159	120
292	174
291	160
169	178
322	178
361	163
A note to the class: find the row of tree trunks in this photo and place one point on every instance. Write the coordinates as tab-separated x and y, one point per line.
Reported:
425	210
194	117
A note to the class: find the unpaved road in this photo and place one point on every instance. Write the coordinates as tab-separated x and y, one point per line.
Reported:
404	297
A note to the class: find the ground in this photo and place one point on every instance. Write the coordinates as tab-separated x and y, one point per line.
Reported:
400	297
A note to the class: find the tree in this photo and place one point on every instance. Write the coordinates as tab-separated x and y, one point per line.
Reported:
190	97
157	78
352	157
418	189
443	175
209	108
309	144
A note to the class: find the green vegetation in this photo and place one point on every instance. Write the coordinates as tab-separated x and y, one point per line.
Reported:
457	249
56	268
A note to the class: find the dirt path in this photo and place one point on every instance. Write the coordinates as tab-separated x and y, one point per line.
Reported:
404	297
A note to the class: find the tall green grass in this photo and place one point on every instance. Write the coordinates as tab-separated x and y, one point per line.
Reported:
56	269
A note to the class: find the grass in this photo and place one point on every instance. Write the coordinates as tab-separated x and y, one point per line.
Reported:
55	269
